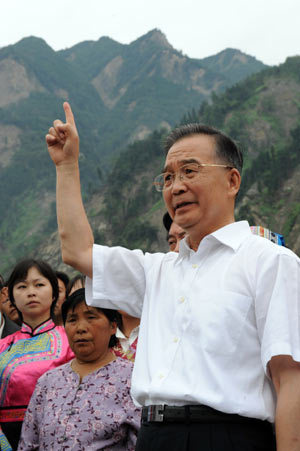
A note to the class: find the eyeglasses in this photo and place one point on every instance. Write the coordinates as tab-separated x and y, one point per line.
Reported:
187	173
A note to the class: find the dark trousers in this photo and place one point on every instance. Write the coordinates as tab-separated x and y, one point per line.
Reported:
206	437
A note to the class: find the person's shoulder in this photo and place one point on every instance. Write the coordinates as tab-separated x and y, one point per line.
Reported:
262	248
55	373
60	330
159	258
122	373
123	363
10	326
123	368
147	258
265	245
9	340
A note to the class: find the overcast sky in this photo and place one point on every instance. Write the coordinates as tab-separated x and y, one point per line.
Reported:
266	29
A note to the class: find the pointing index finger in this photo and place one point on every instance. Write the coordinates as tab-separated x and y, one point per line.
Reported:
69	114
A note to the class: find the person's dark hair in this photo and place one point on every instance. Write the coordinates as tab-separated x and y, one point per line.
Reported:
2	283
119	319
226	148
76	298
72	282
20	272
167	221
63	277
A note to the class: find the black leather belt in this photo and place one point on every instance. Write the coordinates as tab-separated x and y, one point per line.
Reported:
191	414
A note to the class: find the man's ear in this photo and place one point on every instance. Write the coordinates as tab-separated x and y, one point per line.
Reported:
234	182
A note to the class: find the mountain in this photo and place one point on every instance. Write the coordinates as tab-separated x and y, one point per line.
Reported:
233	64
262	114
148	84
119	94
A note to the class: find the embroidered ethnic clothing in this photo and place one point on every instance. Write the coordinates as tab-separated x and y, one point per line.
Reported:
24	357
96	414
4	444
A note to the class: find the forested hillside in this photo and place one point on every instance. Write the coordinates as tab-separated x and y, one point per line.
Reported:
119	94
263	115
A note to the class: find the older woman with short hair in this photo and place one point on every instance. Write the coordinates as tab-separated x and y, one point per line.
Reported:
86	403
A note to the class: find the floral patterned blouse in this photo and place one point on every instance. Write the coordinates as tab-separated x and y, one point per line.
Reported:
96	414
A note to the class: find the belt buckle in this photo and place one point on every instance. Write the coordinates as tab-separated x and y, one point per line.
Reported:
155	413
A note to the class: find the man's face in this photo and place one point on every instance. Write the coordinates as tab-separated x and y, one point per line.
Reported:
61	296
201	206
175	235
7	307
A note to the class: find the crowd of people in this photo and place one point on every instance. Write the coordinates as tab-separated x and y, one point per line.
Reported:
65	368
33	303
194	349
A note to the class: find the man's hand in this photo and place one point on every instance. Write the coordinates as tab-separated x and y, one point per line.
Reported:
63	140
76	236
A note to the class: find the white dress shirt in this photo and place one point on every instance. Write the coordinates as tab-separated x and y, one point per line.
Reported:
210	320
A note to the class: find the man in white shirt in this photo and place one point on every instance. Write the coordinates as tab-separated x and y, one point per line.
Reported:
219	321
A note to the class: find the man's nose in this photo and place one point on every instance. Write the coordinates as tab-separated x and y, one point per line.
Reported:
177	245
178	183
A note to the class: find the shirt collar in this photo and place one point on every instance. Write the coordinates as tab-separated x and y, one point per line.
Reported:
134	333
40	329
231	235
184	248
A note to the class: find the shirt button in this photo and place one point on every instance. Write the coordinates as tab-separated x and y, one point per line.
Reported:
175	339
161	376
181	299
194	266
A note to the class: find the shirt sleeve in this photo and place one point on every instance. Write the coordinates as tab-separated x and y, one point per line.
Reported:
277	305
33	419
118	279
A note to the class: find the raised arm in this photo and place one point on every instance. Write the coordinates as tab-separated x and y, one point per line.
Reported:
75	233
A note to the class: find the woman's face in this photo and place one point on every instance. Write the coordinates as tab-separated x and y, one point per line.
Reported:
89	332
33	297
